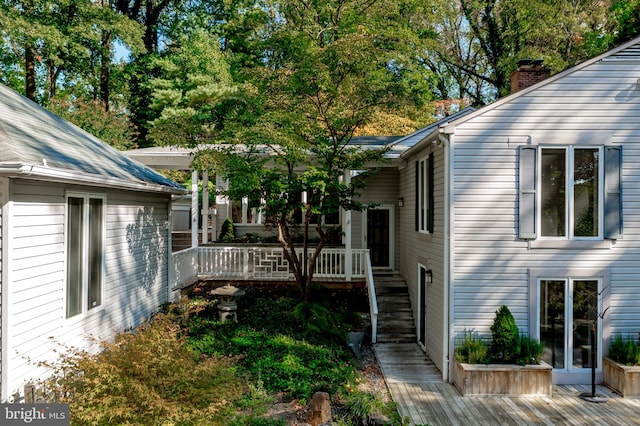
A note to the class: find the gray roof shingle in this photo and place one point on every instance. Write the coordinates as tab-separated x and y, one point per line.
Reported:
32	136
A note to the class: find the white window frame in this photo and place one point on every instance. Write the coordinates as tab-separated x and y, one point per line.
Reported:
570	374
85	309
569	194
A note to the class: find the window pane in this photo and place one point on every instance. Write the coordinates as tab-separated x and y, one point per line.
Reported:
75	207
585	192
552	325
585	307
95	253
552	183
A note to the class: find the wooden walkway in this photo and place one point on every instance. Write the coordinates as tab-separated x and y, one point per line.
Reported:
416	386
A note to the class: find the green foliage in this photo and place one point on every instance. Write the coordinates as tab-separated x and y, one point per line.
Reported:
193	93
108	126
227	231
472	349
624	350
320	320
148	376
530	350
275	348
504	336
359	405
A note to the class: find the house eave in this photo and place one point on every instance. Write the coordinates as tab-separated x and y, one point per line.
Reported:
50	174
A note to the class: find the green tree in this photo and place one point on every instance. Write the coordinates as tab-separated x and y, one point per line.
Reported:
331	67
482	40
47	40
194	94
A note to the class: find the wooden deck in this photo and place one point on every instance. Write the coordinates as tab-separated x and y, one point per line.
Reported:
416	386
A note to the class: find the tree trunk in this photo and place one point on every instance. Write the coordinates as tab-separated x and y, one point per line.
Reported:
30	71
105	70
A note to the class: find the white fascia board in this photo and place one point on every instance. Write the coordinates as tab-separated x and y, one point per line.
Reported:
49	174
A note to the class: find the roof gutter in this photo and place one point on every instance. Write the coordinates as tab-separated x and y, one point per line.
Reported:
41	173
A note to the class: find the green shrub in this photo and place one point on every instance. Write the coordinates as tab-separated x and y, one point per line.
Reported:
472	350
530	351
227	231
359	405
504	336
624	350
147	376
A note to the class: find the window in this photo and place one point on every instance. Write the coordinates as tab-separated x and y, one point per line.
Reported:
246	211
570	193
565	305
329	218
85	252
424	195
568	310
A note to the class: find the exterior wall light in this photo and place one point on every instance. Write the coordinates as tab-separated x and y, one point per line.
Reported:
428	276
401	201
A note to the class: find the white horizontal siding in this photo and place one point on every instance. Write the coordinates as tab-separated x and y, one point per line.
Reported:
135	276
597	105
426	249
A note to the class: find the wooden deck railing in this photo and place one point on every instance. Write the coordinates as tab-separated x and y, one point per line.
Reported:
261	263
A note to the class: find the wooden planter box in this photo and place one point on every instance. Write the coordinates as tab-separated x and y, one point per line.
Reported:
503	379
623	379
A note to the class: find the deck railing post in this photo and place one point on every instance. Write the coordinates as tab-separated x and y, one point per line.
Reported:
245	264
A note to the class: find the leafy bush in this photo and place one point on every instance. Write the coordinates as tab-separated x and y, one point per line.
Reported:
472	350
504	336
624	350
530	351
148	376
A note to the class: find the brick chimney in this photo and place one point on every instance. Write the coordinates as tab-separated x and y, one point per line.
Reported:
528	73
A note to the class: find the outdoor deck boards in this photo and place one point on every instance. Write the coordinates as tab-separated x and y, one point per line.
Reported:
416	386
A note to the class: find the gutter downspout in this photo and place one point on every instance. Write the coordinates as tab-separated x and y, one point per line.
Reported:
447	142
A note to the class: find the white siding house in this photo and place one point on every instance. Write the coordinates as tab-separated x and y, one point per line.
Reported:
530	196
84	240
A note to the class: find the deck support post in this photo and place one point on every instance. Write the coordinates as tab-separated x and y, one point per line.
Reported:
194	208
205	207
348	257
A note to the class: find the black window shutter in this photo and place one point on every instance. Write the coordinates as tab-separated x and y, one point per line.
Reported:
612	192
430	213
527	193
417	203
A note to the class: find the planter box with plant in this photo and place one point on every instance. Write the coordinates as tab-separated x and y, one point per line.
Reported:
621	369
509	365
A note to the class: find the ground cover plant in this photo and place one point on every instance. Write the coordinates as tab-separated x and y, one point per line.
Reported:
184	367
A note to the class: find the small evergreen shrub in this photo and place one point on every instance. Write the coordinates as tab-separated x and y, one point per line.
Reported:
624	350
504	336
472	350
227	231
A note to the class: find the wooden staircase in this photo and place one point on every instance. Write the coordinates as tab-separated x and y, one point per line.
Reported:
395	317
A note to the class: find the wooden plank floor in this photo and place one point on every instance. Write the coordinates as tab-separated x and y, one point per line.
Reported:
416	386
